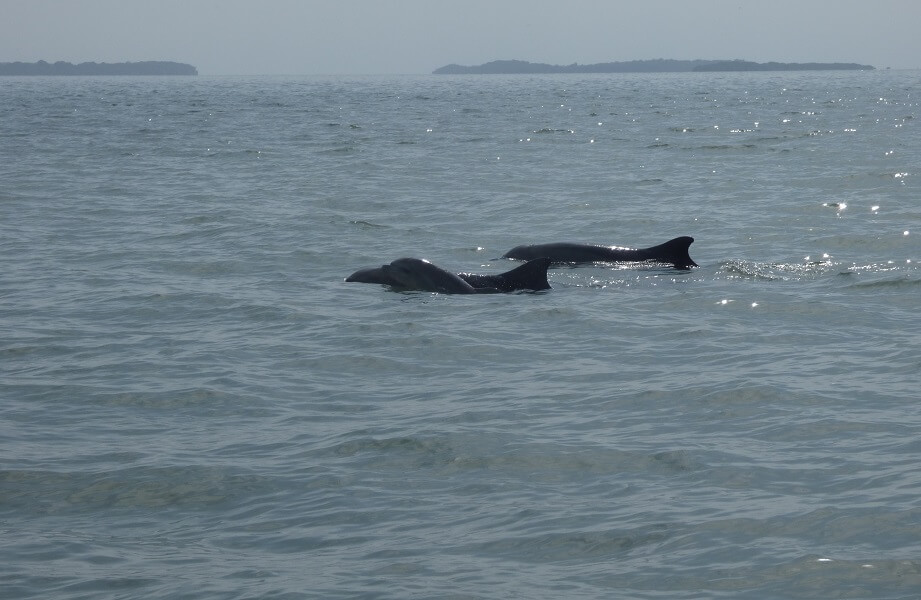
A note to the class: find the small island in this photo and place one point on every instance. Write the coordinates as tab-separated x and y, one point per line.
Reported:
149	67
659	65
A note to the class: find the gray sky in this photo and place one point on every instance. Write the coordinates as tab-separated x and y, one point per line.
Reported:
417	36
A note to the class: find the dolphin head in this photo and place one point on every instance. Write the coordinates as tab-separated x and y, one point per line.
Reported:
407	272
420	274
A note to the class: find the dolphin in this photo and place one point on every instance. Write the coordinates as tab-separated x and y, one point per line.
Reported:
420	274
673	252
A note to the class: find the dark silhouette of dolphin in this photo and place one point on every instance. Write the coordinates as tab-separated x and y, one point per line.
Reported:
673	252
420	274
530	276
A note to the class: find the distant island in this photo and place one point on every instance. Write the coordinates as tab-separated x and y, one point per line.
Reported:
149	67
659	65
744	65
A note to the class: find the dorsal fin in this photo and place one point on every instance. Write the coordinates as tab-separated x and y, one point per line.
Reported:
532	275
674	251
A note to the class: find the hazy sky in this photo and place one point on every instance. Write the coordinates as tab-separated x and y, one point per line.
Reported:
416	36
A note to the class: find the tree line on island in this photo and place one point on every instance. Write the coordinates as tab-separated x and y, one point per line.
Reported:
659	65
149	67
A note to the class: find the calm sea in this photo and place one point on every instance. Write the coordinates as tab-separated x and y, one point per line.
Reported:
194	404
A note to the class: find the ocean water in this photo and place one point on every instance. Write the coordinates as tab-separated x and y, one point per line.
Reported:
194	404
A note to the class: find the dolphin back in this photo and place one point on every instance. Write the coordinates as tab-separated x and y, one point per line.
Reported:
673	252
560	252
